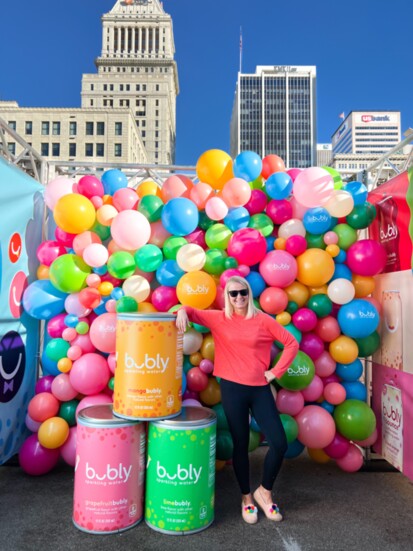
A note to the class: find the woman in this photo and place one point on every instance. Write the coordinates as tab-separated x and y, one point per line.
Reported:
243	336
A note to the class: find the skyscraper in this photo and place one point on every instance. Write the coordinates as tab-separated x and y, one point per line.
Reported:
274	112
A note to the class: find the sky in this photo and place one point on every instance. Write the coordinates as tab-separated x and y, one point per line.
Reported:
361	48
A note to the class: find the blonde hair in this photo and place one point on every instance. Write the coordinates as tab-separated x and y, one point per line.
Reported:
229	309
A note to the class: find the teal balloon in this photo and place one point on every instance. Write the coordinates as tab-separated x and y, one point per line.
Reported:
149	257
368	345
56	349
354	419
294	332
290	427
292	307
151	207
201	328
254	440
222	422
300	373
186	365
102	231
361	216
320	304
204	221
67	411
225	445
294	449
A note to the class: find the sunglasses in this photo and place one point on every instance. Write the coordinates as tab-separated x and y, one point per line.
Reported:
242	292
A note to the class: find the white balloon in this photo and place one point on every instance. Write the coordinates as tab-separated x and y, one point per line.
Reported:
191	257
192	341
291	227
341	291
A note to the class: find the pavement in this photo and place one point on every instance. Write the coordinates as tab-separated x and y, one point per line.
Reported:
324	509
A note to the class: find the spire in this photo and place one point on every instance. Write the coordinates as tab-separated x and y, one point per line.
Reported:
135	7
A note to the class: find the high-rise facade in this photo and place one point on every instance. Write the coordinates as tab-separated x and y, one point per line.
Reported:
128	112
274	112
367	132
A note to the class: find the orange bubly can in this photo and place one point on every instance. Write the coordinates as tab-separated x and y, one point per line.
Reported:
148	375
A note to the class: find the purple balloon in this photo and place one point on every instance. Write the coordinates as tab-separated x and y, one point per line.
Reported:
312	345
191	402
190	395
35	459
338	447
44	384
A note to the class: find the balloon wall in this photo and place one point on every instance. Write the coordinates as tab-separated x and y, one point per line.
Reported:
292	233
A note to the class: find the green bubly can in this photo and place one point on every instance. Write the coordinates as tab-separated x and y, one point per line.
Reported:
180	472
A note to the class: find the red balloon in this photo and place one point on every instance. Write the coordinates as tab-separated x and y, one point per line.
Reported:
196	380
271	164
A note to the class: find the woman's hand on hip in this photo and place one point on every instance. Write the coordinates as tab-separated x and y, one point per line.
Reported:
182	321
269	376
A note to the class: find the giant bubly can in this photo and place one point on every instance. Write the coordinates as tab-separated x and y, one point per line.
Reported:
148	376
109	472
180	472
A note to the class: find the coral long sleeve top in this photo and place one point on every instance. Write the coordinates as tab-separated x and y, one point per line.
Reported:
243	346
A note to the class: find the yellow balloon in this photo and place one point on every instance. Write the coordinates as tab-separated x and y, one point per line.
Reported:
280	244
196	289
284	318
318	455
148	188
212	394
363	285
145	307
74	213
64	365
195	358
333	250
315	267
344	350
53	433
297	292
208	348
318	290
214	167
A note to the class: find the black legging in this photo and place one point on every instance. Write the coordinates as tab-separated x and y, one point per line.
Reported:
237	401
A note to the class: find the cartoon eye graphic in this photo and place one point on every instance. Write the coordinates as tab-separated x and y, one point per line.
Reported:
12	365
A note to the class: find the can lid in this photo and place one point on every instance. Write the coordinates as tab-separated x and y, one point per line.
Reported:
190	415
147	316
101	415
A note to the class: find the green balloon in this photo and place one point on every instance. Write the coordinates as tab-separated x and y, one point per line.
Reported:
292	307
262	223
257	183
368	345
56	349
338	182
68	273
354	419
172	245
224	445
320	304
222	422
361	216
151	206
230	262
149	257
215	261
186	366
201	328
204	221
346	236
82	327
218	236
296	333
254	440
290	427
102	231
126	304
300	373
111	383
67	411
257	304
121	265
315	241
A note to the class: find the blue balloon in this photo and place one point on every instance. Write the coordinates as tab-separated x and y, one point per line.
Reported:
101	308
350	372
42	300
237	218
113	180
341	271
355	390
169	273
247	165
102	270
279	185
117	293
358	191
270	243
294	449
358	319
327	406
183	382
49	367
71	320
256	282
317	220
254	425
341	257
180	216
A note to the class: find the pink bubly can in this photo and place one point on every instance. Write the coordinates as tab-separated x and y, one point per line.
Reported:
109	472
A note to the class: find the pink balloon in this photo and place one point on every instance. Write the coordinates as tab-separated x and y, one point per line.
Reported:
244	270
84	342
304	319
257	202
366	257
56	189
69	334
163	298
296	245
352	461
74	307
279	210
333	378
158	234
327	329
48	251
64	237
278	268
95	255
95	400
312	345
197	237
125	198
36	460
74	352
103	332
314	390
248	246
334	393
68	450
96	201
191	402
324	364
298	210
368	441
330	238
289	402
130	229
316	427
176	186
206	366
56	326
216	208
313	187
200	194
89	374
83	240
338	447
112	363
90	186
226	274
273	300
62	388
236	192
293	173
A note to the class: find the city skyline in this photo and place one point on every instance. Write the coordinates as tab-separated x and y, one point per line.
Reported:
337	39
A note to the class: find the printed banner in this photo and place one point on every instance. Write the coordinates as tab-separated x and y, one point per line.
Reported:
21	211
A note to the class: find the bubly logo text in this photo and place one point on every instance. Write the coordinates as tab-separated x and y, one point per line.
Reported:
190	474
157	364
299	370
111	474
283	267
199	290
393	417
391	232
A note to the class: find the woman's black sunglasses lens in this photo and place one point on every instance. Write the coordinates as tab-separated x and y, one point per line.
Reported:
242	292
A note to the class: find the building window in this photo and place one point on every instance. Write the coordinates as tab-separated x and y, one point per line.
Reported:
91	103
72	150
111	87
89	150
121	87
138	87
12	125
29	128
55	149
100	128
56	129
44	149
92	87
118	150
45	128
143	133
144	87
73	128
157	87
11	147
89	129
100	150
118	129
105	87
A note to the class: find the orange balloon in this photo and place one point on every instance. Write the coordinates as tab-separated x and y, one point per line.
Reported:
363	285
64	365
333	250
196	289
236	192
148	188
212	394
315	267
297	292
344	350
42	272
318	455
105	214
208	348
53	433
214	167
196	358
107	200
146	307
317	290
280	244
